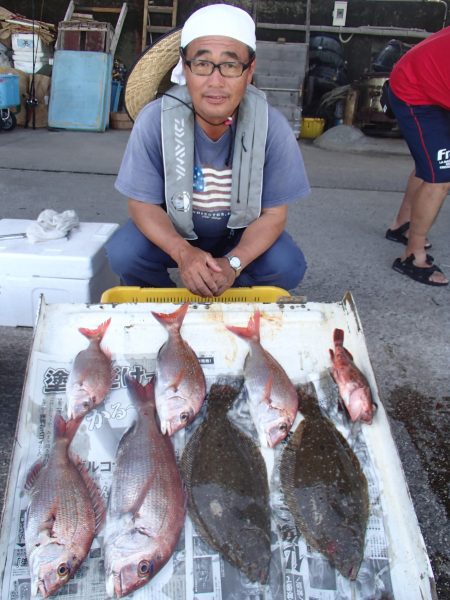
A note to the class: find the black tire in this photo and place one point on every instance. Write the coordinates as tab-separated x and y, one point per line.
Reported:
8	123
326	57
326	42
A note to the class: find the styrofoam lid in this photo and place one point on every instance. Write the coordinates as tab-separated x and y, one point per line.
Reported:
78	257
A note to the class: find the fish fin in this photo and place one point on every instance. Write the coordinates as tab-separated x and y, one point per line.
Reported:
348	353
343	407
107	352
175	318
65	429
268	390
59	426
251	332
338	337
72	426
95	334
331	354
144	394
33	474
98	503
135	507
178	379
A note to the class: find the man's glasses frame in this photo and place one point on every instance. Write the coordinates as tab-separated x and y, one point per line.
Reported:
195	62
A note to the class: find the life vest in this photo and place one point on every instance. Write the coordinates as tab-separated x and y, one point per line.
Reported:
249	152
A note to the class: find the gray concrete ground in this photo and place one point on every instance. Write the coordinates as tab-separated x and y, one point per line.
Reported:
357	186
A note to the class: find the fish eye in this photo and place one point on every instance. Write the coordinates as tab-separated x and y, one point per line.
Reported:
62	570
184	417
86	404
145	567
283	427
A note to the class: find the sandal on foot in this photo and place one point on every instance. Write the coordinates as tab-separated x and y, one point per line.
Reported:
398	235
420	274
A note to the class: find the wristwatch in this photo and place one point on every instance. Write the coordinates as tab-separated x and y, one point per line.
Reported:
235	263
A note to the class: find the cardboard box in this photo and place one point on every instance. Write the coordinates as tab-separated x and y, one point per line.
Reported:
63	270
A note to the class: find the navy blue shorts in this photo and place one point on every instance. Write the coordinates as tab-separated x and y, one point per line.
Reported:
426	130
139	262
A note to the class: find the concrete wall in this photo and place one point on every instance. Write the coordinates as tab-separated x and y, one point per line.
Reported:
358	51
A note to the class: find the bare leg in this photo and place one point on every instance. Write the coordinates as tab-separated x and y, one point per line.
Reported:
404	212
425	206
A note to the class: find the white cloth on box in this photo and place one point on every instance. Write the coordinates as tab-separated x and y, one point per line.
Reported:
216	19
51	225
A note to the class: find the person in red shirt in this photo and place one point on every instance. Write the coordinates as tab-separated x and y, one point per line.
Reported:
419	95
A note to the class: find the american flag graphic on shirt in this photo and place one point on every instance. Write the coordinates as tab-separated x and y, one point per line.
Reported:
211	199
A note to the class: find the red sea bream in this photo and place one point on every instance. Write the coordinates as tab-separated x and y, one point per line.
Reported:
91	376
63	516
180	386
147	503
272	397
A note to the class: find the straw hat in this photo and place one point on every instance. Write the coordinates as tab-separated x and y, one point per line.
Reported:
151	71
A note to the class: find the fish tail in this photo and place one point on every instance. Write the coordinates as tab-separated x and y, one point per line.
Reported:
251	332
65	429
222	394
338	337
96	334
174	319
143	394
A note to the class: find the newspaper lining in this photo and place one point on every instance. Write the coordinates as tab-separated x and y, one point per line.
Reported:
195	571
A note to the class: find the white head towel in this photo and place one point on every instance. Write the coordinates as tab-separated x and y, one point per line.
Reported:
216	19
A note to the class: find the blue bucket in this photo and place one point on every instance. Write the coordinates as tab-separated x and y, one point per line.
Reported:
9	90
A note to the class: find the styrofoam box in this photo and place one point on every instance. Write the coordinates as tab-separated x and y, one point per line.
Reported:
24	41
29	56
27	66
65	270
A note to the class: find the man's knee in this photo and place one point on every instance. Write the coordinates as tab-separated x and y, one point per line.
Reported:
283	265
117	254
293	271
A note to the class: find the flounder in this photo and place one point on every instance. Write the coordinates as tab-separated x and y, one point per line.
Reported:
226	480
325	488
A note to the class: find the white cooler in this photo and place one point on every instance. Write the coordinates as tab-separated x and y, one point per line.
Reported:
66	270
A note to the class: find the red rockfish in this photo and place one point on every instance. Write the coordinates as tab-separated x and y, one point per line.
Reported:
353	386
272	396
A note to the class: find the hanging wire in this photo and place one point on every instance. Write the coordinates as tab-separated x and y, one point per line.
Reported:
31	100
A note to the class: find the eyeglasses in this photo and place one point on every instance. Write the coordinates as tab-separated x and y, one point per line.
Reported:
204	68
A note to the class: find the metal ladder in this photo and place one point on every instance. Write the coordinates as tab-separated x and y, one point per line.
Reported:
153	7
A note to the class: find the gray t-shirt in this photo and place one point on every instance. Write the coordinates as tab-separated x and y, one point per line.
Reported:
141	175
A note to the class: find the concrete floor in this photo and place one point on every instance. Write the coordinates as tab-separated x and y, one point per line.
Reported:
357	186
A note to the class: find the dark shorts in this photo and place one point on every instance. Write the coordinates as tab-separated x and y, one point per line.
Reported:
426	130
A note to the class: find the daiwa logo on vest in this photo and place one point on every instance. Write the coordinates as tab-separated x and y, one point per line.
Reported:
180	149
